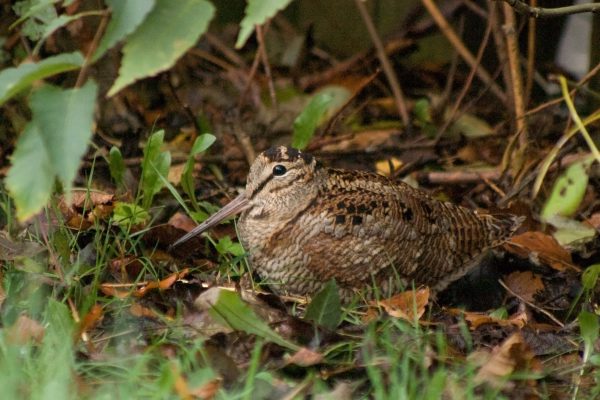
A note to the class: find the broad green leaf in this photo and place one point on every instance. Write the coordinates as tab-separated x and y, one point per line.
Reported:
589	278
56	361
52	145
257	13
125	214
58	23
568	191
167	32
325	309
226	246
35	14
31	178
202	143
228	309
571	233
471	126
153	165
64	119
116	165
15	80
590	329
125	17
309	119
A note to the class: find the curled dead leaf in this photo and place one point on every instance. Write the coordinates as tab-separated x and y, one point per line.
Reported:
540	247
513	355
409	305
25	330
305	358
525	284
477	319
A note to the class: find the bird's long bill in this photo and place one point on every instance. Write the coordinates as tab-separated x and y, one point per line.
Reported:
235	206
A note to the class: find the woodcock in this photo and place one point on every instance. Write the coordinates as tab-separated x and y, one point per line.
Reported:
303	224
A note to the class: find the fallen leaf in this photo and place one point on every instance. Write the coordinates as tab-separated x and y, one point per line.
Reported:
24	330
477	319
513	355
525	284
85	208
389	166
409	305
305	358
540	247
90	320
208	390
137	310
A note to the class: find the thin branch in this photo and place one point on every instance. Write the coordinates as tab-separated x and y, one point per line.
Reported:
467	85
385	63
541	12
512	48
453	38
262	50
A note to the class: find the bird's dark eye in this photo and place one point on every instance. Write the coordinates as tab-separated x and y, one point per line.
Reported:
279	170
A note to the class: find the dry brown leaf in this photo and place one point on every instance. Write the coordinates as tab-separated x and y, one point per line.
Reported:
208	390
539	247
525	284
137	310
25	330
476	319
513	355
387	167
90	320
409	305
110	290
305	358
85	208
182	221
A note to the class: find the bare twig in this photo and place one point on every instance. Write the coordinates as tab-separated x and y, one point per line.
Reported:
531	50
469	81
88	57
512	47
559	100
453	38
541	12
385	63
530	304
262	50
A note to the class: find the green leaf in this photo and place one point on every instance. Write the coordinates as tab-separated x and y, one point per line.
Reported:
51	146
590	329
15	80
568	192
65	119
116	165
58	23
202	143
306	123
228	309
154	164
571	233
125	214
226	246
257	13
589	278
325	309
35	14
31	191
165	35
56	361
125	17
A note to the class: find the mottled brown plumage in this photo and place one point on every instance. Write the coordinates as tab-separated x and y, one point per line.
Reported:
303	224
